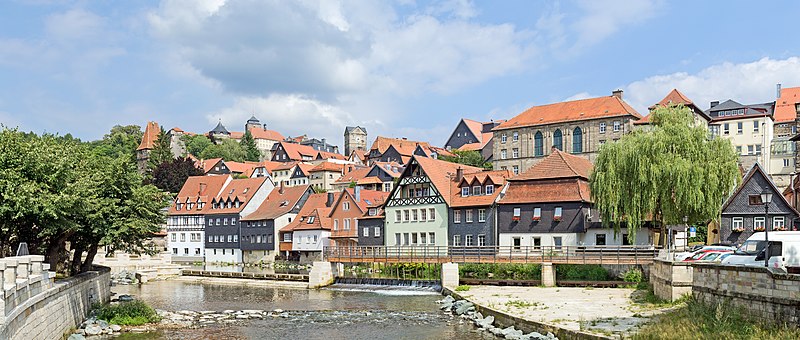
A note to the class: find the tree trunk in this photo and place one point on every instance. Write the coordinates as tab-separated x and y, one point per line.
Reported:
75	266
87	264
55	250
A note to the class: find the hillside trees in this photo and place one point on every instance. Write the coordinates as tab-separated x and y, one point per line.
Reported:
471	158
170	176
249	145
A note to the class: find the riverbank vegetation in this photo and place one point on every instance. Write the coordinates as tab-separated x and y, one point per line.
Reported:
695	320
582	272
131	313
500	271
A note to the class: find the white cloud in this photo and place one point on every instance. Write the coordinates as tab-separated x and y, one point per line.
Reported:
75	24
746	83
604	18
579	96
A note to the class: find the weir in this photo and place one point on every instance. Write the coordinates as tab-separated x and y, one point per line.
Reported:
435	284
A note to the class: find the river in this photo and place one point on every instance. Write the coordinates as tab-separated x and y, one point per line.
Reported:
339	312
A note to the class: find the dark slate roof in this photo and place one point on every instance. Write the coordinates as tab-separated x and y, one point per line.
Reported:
726	105
756	182
253	119
751	109
220	129
351	128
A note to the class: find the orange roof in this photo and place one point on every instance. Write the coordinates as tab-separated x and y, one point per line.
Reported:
150	136
474	126
394	169
471	147
558	190
239	167
208	164
495	177
674	97
261	133
558	164
314	206
785	109
575	110
331	155
277	203
369	180
360	154
285	166
403	146
198	189
296	152
354	176
241	189
441	173
327	166
369	198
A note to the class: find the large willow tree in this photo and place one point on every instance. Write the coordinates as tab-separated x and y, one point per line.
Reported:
663	174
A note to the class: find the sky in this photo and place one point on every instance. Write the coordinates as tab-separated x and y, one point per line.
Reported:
398	68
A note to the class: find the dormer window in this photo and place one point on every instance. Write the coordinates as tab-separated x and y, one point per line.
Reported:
476	190
489	189
464	191
310	219
245	190
178	206
373	211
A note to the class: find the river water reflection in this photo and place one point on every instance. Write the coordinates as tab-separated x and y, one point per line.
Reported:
341	312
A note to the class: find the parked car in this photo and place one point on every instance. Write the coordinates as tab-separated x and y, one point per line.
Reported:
705	249
707	255
784	251
722	257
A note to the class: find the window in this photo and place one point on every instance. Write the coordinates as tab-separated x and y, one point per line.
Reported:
186	251
515	169
515	153
503	154
536	242
758	149
537	213
726	129
785	162
602	141
218	221
287	237
758	223
456	216
778	222
749	149
617	126
175	251
230	238
423	215
557	213
755	127
503	138
517	212
397	239
468	240
600	239
346	224
405	239
365	232
413	238
481	215
377	231
414	215
517	242
577	140
476	190
346	206
481	240
738	149
173	237
311	219
456	240
422	238
737	223
270	239
464	191
557	242
397	216
406	215
183	237
469	215
432	214
557	142
335	225
431	238
739	128
315	238
538	144
372	211
515	136
602	127
236	238
489	189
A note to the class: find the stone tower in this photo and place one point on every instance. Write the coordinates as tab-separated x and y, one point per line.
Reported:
252	123
355	138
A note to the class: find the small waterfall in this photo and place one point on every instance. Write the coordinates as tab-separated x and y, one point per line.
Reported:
387	286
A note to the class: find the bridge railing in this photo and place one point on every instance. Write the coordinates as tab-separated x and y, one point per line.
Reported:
494	254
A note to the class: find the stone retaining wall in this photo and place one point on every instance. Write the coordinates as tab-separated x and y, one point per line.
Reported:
671	280
36	307
761	293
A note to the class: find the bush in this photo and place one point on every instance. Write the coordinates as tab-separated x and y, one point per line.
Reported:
632	275
581	272
500	271
462	288
132	313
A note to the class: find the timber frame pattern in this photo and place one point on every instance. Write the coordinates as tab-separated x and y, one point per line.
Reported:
412	177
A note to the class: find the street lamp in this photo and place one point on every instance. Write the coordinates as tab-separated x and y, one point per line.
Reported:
766	198
685	232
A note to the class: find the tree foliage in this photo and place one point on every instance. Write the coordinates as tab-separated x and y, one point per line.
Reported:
196	144
121	141
56	189
471	158
247	143
170	176
664	174
228	150
161	153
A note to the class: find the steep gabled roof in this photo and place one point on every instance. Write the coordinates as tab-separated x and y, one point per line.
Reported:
328	166
296	152
241	189
261	133
305	168
202	188
575	110
785	106
208	164
496	177
314	206
354	176
558	164
241	168
368	198
674	97
403	146
474	126
441	173
220	129
280	201
150	136
547	191
754	171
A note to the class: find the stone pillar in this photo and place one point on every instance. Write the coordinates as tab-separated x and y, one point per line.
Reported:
2	278
450	275
321	274
548	275
36	264
10	274
23	267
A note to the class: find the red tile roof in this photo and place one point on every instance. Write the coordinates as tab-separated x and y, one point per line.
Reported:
239	167
558	190
285	166
785	109
369	198
261	133
354	176
314	206
403	146
278	203
472	147
208	164
575	110
305	167
558	164
150	136
202	188
441	173
241	189
674	97
328	166
495	177
296	152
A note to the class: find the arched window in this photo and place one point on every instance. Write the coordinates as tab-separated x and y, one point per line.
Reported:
557	140
538	144
577	140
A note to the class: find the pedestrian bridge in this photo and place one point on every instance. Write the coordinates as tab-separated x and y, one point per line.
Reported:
493	254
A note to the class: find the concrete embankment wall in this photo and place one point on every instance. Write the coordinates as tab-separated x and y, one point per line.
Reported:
758	292
671	280
505	320
37	307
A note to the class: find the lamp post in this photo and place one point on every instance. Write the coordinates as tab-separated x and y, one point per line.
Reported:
766	198
685	232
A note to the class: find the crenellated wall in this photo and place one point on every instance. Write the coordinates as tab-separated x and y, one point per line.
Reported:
35	306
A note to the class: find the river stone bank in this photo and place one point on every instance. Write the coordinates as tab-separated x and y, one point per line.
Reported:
93	327
466	310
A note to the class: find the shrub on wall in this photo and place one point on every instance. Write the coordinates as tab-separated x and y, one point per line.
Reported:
500	271
131	313
581	272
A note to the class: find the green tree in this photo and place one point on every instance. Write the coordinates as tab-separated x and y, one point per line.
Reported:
161	152
170	176
196	144
249	145
121	141
471	158
664	174
228	150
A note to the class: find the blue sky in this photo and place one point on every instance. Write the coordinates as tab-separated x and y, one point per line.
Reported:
402	68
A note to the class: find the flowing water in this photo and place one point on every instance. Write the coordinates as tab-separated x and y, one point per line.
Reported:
342	311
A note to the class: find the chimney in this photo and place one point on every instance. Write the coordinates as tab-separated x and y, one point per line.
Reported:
404	138
617	93
778	90
714	103
357	191
459	174
329	202
203	187
281	190
265	126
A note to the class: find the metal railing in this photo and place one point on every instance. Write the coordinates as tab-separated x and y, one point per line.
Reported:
494	254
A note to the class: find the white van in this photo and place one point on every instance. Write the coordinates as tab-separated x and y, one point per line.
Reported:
784	249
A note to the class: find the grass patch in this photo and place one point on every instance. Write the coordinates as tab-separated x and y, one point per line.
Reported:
521	304
132	313
462	288
644	295
696	320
